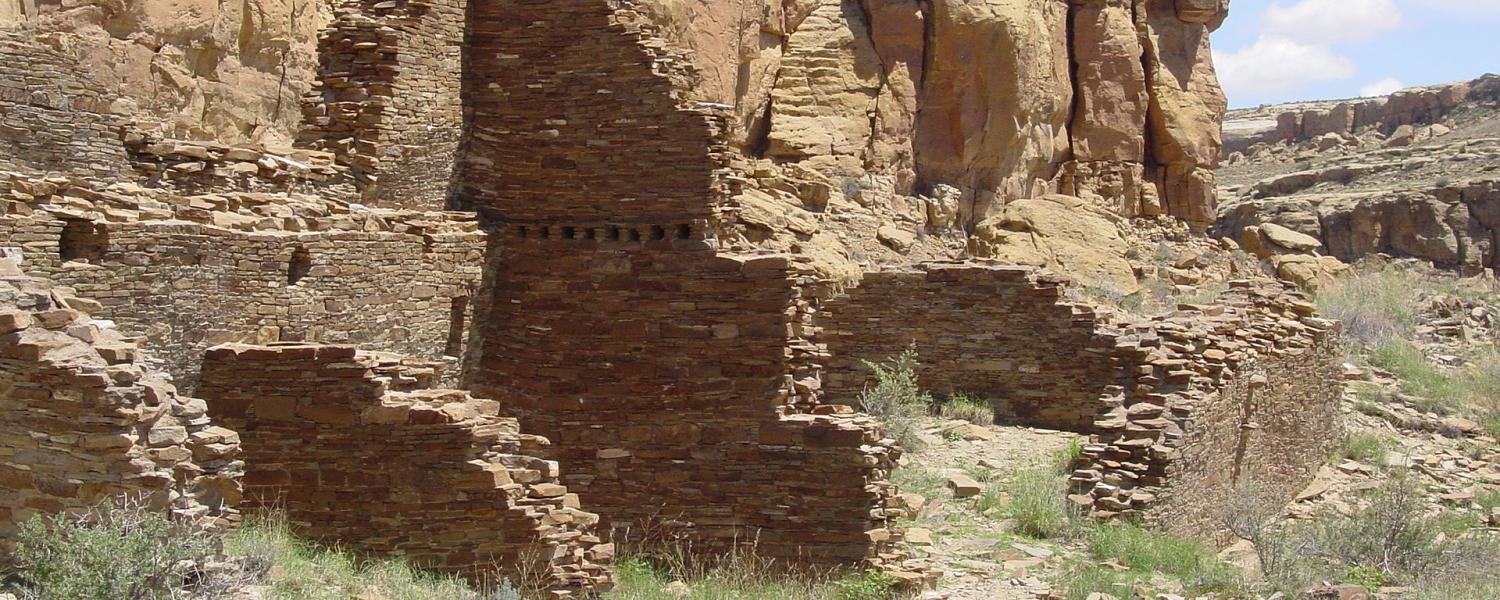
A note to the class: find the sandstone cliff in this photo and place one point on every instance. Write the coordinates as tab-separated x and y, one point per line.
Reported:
220	70
1114	100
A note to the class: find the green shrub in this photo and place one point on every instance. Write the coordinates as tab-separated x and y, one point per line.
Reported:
965	408
1067	456
1375	307
1079	583
1488	499
741	577
118	549
895	398
1390	538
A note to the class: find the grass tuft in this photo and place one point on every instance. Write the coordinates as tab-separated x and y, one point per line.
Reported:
965	408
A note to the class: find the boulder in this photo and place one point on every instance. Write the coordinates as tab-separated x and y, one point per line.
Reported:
1063	233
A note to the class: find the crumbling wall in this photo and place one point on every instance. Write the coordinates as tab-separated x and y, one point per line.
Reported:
83	422
353	449
1236	398
387	98
53	117
189	272
1002	334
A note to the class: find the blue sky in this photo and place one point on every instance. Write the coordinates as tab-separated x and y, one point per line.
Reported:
1272	51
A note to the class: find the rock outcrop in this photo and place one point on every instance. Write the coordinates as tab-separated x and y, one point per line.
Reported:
197	69
1001	99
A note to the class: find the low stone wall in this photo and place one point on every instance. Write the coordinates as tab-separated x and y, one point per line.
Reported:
1002	334
387	98
433	475
189	272
1236	398
667	376
83	422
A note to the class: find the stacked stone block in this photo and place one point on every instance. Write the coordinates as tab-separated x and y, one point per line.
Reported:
1003	334
53	118
580	117
83	422
668	378
433	475
678	382
203	167
387	97
1240	397
189	272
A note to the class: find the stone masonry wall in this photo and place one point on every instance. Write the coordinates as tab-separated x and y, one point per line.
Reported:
52	116
1236	398
997	333
661	371
387	98
579	117
188	272
83	422
666	372
354	448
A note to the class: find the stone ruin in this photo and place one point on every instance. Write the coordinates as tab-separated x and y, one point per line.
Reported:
340	440
85	420
598	340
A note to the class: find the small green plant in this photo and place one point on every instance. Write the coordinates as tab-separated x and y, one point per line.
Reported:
895	398
1366	447
965	408
1366	577
118	549
1067	456
1489	500
870	585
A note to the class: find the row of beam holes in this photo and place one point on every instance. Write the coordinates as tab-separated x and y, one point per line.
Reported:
612	234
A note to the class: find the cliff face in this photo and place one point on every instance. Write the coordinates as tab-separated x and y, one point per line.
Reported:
223	70
1002	99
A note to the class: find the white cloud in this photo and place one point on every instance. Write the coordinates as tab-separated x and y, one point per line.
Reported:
1383	87
1274	65
1473	7
1334	21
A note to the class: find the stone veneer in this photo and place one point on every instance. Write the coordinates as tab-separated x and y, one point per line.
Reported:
998	333
83	422
356	447
387	97
187	272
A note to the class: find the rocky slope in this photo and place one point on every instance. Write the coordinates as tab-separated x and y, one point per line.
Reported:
1416	175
